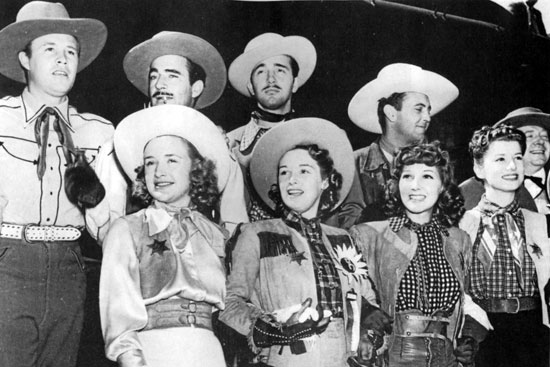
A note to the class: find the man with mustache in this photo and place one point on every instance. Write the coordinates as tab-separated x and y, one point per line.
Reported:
398	104
173	68
532	194
42	272
270	70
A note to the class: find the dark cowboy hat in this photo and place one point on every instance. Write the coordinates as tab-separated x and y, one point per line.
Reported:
39	18
526	116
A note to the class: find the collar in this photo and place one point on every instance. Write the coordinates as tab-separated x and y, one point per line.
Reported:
270	117
254	126
34	108
400	221
488	208
376	157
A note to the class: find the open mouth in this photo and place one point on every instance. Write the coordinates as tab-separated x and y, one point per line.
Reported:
162	184
60	73
417	197
294	192
511	177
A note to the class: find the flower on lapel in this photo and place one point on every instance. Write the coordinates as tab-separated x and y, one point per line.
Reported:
536	250
350	262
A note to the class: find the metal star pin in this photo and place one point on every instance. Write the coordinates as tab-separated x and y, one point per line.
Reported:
158	247
298	257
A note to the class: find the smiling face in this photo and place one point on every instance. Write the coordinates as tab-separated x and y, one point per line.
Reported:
501	169
272	84
538	148
167	167
419	188
51	63
300	182
411	122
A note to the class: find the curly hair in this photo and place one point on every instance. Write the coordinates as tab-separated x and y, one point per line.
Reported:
450	205
482	139
203	188
329	196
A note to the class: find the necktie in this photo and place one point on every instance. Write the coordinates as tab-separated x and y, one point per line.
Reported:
536	180
41	132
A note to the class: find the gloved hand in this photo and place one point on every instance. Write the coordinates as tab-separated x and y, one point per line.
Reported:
373	318
82	185
466	349
269	332
547	293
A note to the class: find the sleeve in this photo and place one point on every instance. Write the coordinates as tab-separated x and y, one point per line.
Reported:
240	313
365	241
113	206
366	286
232	202
121	305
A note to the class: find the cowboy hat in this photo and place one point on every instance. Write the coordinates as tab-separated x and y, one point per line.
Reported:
136	130
264	165
138	61
268	45
526	116
38	18
399	78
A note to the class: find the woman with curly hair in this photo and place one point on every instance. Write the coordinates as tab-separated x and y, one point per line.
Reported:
162	273
297	286
418	260
510	272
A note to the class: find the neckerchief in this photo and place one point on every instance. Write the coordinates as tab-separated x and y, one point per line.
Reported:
491	213
253	132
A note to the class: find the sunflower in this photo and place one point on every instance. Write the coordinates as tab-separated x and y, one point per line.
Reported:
350	262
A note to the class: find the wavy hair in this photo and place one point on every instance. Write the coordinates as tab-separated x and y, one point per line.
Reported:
203	188
482	139
450	205
330	195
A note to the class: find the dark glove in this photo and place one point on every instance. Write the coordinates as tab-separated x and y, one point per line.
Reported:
466	349
547	293
82	185
268	332
373	318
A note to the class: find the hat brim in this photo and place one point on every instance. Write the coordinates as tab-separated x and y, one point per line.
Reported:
264	165
527	119
300	48
138	61
137	129
363	107
90	33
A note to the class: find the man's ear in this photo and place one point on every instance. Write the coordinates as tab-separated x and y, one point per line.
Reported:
24	60
479	171
390	112
250	89
197	88
295	85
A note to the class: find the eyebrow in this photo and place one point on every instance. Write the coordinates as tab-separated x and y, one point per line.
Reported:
174	71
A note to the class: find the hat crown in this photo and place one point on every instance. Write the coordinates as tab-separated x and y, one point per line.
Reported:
401	71
42	10
262	39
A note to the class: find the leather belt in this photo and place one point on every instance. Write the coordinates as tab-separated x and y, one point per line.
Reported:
509	305
414	325
34	233
177	313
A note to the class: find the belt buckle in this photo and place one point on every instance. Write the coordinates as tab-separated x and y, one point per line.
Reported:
24	234
518	304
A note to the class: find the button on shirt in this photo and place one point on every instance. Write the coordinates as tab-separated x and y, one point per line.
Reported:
31	200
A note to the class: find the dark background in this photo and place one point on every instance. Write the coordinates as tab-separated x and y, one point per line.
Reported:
495	71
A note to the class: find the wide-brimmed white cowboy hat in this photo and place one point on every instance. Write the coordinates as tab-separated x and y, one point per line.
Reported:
268	45
526	116
39	18
136	130
264	165
399	78
138	60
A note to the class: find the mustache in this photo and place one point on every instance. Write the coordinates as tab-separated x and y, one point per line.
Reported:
161	93
271	86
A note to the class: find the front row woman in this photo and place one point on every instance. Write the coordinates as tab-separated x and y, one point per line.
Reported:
162	273
510	271
297	286
418	260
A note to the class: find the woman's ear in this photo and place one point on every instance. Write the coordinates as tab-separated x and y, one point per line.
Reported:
324	184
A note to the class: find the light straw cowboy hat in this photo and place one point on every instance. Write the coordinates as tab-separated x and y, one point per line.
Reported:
136	130
268	45
38	18
399	78
138	60
526	116
264	165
